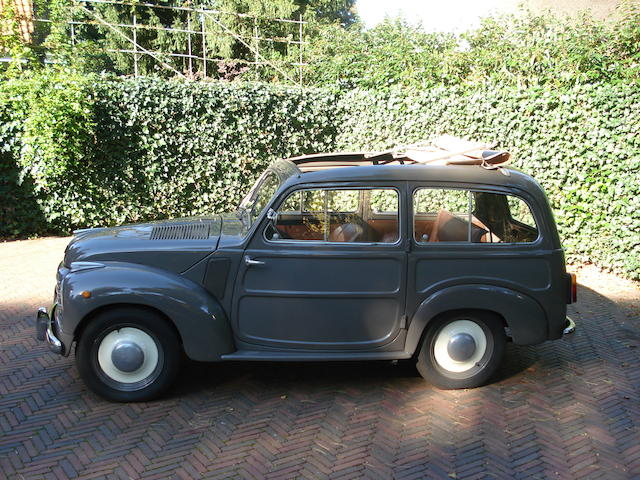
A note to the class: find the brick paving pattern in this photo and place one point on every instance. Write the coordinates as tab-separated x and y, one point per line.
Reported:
564	409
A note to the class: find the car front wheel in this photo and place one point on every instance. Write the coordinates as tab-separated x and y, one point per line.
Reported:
128	355
462	350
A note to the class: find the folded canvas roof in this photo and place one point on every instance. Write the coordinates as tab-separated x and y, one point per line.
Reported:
444	150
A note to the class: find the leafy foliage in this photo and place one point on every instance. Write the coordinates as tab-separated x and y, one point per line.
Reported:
523	49
88	151
230	26
392	53
45	133
122	150
534	49
582	144
20	214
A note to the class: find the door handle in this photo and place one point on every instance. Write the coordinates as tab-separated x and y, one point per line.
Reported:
248	261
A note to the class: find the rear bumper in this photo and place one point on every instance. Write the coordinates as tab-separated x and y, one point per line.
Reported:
570	327
46	331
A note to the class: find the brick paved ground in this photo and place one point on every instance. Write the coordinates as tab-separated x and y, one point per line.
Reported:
565	409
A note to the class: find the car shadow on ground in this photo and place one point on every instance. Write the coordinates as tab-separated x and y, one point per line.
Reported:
517	362
205	376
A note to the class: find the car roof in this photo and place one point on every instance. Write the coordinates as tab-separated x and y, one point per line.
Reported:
359	171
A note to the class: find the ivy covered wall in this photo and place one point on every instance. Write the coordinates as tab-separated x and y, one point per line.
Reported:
581	144
88	151
97	151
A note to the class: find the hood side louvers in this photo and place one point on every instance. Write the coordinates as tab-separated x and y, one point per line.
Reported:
191	231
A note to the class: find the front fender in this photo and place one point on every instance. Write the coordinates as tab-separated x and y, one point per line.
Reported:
198	317
525	318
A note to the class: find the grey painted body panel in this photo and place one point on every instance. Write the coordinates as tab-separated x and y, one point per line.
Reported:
323	301
198	317
300	300
323	296
524	316
525	283
133	243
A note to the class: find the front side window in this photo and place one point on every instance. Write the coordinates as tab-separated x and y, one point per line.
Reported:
447	215
367	215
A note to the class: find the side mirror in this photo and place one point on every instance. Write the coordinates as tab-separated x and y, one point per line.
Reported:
272	215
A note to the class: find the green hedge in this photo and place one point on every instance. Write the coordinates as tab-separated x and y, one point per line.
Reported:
87	151
108	151
582	145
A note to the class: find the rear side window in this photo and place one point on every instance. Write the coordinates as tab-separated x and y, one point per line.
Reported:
447	215
364	215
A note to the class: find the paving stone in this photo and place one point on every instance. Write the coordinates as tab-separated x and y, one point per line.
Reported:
563	409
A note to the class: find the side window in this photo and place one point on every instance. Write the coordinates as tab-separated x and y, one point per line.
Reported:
466	216
441	215
384	201
292	204
367	215
343	201
520	211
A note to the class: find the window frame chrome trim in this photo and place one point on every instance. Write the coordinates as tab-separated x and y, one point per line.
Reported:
480	189
288	241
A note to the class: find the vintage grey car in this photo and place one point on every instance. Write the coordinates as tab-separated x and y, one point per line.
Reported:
329	257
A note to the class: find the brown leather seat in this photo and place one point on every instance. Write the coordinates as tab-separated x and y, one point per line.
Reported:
449	228
390	237
347	232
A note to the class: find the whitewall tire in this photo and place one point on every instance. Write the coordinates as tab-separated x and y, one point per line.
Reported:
128	354
462	350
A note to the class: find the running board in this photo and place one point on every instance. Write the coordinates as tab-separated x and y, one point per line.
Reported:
267	356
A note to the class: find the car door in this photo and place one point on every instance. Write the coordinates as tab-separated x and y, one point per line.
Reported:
329	273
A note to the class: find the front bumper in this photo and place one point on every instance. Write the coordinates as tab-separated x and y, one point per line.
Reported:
46	331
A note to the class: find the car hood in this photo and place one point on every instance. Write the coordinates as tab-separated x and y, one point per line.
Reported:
172	245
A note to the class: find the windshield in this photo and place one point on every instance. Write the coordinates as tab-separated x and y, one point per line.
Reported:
258	197
263	191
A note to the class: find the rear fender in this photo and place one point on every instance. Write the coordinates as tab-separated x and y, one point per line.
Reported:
525	318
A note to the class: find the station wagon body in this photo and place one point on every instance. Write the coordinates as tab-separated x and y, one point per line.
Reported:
329	257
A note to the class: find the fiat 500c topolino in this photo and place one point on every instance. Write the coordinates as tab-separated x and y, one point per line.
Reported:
328	258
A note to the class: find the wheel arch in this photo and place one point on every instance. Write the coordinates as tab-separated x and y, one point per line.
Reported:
197	316
457	312
115	306
523	316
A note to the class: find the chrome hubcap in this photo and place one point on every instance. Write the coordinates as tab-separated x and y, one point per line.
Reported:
127	356
461	347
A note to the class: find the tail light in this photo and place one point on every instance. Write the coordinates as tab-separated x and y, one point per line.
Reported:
573	296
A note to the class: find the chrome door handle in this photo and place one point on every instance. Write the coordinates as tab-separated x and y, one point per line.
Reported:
248	261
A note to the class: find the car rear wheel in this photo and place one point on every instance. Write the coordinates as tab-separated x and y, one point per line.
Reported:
462	350
128	355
